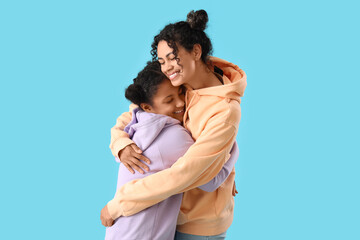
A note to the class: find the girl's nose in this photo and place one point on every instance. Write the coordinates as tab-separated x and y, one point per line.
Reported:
180	102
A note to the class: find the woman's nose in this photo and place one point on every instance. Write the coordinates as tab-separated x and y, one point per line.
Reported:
168	66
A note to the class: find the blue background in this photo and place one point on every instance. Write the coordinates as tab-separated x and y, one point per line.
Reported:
64	66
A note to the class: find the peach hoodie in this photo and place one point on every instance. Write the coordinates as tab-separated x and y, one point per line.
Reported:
212	116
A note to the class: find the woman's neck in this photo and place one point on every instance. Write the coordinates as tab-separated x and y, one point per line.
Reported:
204	78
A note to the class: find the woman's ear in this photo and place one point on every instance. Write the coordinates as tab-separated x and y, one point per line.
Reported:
197	51
146	107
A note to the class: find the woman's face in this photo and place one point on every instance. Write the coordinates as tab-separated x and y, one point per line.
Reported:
168	100
179	72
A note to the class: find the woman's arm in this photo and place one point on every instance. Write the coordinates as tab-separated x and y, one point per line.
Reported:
124	148
119	138
174	143
202	162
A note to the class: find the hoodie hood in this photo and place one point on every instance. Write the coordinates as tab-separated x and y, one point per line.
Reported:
234	81
145	127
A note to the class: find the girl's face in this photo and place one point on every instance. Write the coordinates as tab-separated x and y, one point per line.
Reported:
168	100
179	72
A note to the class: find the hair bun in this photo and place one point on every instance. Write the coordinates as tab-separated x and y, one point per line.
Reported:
198	19
135	93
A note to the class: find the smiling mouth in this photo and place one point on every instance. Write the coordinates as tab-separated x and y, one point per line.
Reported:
172	76
180	111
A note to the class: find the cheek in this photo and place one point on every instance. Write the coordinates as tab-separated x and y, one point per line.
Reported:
162	68
189	68
164	109
192	67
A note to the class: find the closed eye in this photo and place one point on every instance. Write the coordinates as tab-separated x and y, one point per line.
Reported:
171	57
170	100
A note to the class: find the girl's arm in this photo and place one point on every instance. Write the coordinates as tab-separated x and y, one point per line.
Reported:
224	173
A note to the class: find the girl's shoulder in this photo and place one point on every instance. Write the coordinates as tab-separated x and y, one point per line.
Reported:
174	136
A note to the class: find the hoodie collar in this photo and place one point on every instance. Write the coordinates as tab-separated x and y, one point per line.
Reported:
144	127
234	81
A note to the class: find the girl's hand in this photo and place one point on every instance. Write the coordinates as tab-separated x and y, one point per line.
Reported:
234	191
131	156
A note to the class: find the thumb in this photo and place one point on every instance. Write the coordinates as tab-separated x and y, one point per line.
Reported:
136	148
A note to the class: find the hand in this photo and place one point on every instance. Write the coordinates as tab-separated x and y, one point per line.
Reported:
234	191
131	156
105	217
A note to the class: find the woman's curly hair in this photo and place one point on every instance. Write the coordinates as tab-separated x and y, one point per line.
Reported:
185	34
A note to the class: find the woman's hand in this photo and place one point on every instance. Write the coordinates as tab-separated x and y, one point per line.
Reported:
234	191
131	156
105	217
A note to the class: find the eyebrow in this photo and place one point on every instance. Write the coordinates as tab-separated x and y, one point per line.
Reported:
168	96
167	55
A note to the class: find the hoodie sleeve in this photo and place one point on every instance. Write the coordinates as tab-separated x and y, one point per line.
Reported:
119	138
224	172
202	162
174	145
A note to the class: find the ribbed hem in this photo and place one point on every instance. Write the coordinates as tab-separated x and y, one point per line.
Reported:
207	228
119	145
114	208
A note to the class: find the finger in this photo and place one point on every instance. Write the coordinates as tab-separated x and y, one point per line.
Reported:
138	155
103	222
140	164
136	148
129	168
143	158
136	168
101	218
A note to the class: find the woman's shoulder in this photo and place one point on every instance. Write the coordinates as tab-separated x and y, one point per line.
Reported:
212	108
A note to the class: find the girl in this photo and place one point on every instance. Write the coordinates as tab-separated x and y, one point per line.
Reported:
156	128
212	116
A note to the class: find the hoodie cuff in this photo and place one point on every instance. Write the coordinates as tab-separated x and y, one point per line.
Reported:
114	208
119	145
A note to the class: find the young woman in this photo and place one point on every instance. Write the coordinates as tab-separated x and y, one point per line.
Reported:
156	128
212	116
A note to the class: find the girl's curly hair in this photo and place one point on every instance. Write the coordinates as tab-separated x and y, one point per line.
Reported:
185	34
146	84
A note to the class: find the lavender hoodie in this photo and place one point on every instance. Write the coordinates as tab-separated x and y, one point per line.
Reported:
163	140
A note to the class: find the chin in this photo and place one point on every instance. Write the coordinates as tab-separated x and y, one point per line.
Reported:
176	82
179	118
